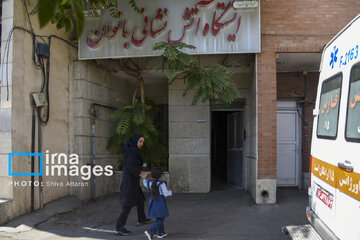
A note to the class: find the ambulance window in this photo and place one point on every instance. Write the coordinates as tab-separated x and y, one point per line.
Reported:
329	107
352	132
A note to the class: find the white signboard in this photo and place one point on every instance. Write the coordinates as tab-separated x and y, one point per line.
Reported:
212	27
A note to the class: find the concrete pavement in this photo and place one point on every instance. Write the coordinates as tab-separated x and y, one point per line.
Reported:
222	214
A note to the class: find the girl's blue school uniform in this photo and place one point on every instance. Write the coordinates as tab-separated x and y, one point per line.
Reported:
157	207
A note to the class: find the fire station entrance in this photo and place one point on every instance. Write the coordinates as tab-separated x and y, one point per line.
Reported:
227	134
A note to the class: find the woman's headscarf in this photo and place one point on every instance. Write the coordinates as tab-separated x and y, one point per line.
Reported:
132	143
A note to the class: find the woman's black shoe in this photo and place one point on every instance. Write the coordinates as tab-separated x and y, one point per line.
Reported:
144	221
123	231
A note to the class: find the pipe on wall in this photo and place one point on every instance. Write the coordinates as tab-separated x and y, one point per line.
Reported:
95	113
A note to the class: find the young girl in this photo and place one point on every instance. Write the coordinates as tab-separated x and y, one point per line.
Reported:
157	204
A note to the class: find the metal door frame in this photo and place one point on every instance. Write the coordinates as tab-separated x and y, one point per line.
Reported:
227	139
243	147
292	107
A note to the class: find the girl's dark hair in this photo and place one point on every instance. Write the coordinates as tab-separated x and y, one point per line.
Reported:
155	174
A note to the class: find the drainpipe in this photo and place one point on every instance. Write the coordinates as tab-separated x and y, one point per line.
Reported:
33	119
40	151
95	113
36	104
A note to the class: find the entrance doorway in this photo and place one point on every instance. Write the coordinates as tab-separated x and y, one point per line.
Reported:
227	133
288	144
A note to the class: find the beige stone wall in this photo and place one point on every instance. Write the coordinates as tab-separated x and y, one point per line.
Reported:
92	84
5	105
244	81
190	142
74	86
16	113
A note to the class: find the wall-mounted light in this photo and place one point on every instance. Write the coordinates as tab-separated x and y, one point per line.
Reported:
246	4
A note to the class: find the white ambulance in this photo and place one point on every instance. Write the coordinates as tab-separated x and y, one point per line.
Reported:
334	192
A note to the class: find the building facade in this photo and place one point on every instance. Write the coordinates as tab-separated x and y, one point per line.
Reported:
257	144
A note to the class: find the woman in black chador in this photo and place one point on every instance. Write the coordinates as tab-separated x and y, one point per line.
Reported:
130	191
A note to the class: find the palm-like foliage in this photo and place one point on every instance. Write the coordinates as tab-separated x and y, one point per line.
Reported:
210	84
137	118
67	13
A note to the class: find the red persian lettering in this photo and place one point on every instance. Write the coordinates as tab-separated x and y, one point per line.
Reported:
114	31
138	42
183	34
159	16
90	38
197	26
217	25
204	3
124	32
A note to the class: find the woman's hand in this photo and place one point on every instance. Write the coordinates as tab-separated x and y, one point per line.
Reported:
144	175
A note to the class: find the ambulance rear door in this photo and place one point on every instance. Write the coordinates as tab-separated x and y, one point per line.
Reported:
348	174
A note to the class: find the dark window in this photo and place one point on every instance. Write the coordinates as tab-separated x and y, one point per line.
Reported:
161	120
329	107
352	132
